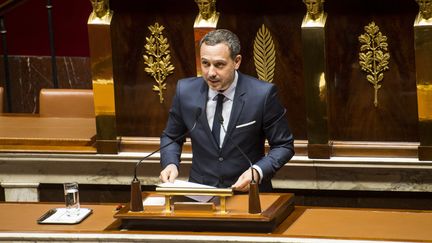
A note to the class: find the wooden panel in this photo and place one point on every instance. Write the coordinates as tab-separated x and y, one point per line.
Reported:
276	207
138	109
47	134
283	19
314	223
362	224
352	113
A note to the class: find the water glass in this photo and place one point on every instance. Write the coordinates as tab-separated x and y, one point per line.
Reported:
71	198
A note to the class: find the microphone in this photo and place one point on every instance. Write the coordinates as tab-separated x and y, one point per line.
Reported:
136	204
254	200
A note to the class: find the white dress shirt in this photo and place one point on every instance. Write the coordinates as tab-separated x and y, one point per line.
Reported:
226	111
226	107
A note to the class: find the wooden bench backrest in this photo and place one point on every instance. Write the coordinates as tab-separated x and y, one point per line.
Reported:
66	103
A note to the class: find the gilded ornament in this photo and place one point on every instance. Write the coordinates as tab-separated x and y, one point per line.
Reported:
207	16
158	58
425	8
314	9
424	16
264	54
101	12
374	56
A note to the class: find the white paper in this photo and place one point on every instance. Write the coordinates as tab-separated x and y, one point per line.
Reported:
184	184
154	201
187	184
61	216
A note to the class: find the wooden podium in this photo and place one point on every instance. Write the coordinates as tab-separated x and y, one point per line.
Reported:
276	207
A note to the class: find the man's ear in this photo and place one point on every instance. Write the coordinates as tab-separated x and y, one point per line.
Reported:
237	61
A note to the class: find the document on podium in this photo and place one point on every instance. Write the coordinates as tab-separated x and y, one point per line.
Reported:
61	216
187	184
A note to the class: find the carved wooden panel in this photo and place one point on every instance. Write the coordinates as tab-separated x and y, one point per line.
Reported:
352	113
139	112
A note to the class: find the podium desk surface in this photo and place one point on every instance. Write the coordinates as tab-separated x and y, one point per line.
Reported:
22	217
305	224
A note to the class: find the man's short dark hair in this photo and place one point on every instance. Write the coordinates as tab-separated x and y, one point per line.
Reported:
223	36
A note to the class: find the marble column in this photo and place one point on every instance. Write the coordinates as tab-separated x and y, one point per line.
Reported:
21	191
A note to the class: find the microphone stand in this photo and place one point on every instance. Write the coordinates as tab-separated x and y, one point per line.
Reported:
254	200
136	202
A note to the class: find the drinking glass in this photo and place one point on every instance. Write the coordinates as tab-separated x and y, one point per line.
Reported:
71	198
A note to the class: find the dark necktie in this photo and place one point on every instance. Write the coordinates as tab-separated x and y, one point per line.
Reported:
217	118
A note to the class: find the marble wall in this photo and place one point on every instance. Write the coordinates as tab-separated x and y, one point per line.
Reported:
29	74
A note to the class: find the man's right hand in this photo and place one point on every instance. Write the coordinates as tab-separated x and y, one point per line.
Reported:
169	174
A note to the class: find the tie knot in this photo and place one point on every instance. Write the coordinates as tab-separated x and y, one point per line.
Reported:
220	97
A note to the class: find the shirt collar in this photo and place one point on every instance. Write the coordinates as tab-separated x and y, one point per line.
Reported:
229	93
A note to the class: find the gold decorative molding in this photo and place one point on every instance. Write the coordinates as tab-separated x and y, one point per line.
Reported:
374	56
264	54
158	59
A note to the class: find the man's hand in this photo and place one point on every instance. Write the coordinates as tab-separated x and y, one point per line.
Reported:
242	183
169	174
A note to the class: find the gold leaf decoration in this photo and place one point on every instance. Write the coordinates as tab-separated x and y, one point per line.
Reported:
373	56
264	54
158	58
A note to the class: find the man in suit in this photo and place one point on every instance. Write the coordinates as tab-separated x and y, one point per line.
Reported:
246	115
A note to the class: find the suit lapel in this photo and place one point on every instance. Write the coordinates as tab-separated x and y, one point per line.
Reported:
202	102
237	107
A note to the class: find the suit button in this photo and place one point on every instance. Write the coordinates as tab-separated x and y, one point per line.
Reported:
221	159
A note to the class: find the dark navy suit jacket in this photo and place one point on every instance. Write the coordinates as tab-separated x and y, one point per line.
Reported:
255	103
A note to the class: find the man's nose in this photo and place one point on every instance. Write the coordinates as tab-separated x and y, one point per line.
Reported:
212	71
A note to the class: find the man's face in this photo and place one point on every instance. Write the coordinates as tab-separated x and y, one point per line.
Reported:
425	8
205	8
313	8
217	66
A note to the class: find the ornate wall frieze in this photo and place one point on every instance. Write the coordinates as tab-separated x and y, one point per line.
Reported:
264	54
158	58
374	56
